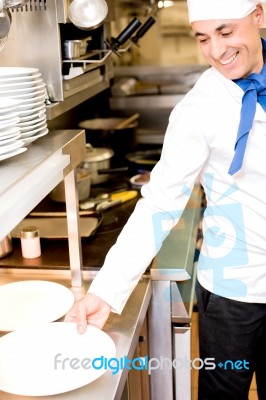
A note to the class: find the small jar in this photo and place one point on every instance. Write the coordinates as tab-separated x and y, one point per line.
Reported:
30	242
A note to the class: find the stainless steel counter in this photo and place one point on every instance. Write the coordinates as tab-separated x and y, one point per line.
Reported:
123	329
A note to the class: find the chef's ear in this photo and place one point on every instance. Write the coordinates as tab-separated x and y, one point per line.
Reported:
259	15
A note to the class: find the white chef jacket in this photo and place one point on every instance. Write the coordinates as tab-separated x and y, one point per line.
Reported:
199	144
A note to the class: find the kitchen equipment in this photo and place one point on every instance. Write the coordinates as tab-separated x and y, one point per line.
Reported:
72	49
87	14
15	3
119	134
25	303
96	159
6	246
53	225
49	359
83	186
144	160
105	201
115	43
5	22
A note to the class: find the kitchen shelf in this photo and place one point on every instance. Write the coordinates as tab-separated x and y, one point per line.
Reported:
29	177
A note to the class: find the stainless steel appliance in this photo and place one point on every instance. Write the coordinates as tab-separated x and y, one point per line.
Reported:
36	39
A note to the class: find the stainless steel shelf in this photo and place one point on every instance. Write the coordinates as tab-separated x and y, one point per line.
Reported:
56	109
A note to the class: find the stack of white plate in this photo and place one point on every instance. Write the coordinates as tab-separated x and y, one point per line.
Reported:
27	86
11	143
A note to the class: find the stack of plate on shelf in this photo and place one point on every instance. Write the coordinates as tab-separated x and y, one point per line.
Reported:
26	86
11	143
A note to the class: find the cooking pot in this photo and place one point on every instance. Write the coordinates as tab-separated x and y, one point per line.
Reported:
118	134
83	186
97	158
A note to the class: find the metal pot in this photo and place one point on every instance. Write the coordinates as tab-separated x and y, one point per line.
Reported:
118	134
83	186
97	159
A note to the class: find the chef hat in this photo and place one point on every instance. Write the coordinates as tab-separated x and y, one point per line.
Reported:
201	10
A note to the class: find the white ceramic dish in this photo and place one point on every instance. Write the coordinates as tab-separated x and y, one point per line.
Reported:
8	123
17	71
33	99
10	147
34	131
136	182
32	126
31	110
32	104
35	137
26	303
13	153
4	142
33	121
33	116
17	79
7	103
19	85
7	116
9	132
21	93
31	359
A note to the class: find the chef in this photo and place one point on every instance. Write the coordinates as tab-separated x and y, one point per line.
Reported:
217	135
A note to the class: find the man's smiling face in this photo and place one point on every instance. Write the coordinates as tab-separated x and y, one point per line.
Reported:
233	47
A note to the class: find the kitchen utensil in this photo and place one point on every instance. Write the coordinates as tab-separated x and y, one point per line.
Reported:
5	23
144	160
6	246
97	158
54	358
87	14
25	303
72	49
106	200
126	122
116	133
117	42
15	3
83	186
53	225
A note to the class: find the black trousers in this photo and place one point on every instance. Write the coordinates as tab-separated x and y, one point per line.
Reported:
233	333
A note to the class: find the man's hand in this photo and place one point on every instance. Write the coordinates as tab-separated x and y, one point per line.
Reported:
90	310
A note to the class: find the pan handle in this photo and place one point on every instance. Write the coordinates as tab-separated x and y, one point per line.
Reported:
112	170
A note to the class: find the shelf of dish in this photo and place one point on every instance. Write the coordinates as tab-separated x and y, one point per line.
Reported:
29	177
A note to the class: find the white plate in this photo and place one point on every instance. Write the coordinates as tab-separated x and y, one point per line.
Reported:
136	182
17	71
8	116
10	139
7	103
33	121
31	359
17	79
26	303
9	131
8	123
33	131
32	127
13	153
30	105
37	97
33	116
19	85
15	93
10	147
35	137
31	110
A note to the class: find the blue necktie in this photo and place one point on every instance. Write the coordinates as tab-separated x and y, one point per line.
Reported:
254	87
